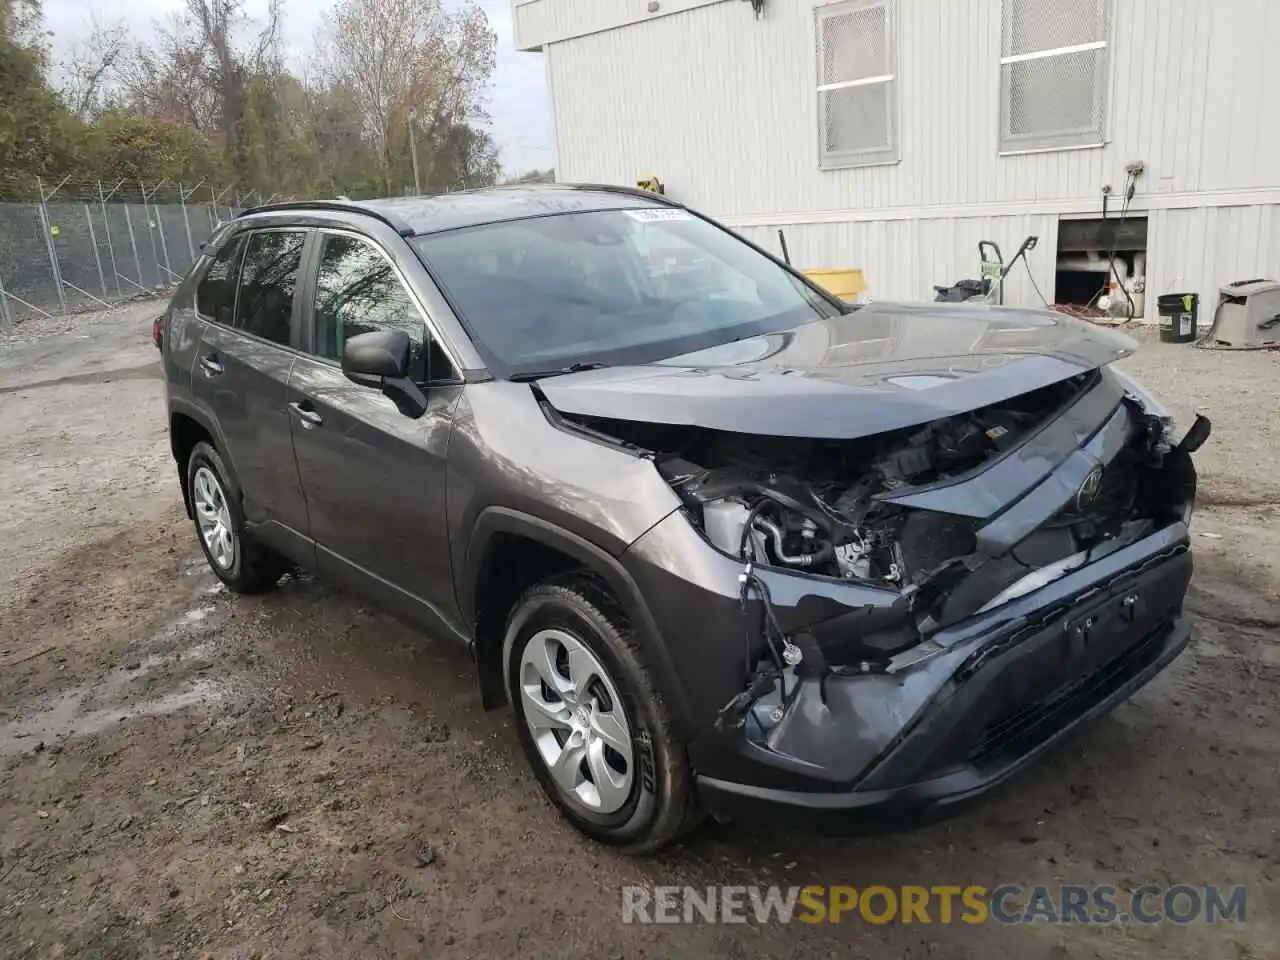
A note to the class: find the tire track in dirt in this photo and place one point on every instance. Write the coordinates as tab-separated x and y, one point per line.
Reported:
147	371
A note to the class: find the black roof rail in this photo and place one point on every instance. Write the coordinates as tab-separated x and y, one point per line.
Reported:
401	227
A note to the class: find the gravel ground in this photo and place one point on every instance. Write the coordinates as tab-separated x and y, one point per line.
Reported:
191	774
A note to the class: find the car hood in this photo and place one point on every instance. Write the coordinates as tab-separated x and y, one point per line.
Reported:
882	367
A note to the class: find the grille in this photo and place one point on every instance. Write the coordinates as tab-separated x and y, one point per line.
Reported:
1113	503
1015	733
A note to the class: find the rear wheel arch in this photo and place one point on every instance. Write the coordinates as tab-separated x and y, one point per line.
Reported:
509	552
187	427
235	558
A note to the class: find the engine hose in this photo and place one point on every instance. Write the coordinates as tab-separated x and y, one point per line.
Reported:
823	554
746	531
770	627
750	581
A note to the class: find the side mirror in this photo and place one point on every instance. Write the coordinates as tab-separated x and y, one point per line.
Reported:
380	359
381	353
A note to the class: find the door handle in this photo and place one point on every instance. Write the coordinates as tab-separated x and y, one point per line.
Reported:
308	416
211	365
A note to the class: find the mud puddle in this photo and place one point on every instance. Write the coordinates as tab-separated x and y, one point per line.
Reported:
129	691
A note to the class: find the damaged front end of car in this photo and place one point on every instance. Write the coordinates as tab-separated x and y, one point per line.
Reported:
918	612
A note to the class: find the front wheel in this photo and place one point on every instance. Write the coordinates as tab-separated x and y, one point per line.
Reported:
591	721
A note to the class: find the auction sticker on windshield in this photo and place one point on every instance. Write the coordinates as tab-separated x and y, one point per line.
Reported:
657	216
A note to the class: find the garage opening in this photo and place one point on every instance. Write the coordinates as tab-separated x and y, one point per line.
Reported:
1086	281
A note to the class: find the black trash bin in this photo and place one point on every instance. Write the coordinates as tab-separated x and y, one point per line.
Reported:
1179	315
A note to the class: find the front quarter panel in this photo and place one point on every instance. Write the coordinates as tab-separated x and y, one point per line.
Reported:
506	453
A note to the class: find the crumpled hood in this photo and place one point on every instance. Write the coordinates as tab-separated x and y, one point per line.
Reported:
883	367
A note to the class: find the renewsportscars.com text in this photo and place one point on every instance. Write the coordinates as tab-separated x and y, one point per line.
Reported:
938	904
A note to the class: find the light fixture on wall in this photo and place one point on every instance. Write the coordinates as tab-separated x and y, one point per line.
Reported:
757	6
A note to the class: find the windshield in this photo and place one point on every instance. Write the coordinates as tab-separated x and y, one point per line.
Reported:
611	287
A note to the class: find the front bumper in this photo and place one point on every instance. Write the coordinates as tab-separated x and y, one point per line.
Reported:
1021	741
987	698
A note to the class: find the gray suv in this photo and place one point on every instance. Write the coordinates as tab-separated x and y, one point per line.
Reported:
725	543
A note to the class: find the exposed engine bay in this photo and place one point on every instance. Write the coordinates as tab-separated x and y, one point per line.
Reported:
827	507
819	507
851	510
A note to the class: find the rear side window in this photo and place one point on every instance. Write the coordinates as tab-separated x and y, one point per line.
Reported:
216	294
268	280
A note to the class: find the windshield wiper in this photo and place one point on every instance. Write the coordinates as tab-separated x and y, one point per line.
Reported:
571	368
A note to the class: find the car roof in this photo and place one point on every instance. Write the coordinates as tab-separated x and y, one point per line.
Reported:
417	216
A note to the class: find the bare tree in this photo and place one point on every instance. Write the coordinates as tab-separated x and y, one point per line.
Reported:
215	22
402	57
206	91
194	70
535	176
21	22
89	69
169	77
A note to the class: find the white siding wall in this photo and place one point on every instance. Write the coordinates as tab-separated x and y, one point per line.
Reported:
1189	251
722	107
546	21
903	259
1200	250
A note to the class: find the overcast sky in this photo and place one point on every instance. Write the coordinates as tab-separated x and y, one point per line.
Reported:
518	100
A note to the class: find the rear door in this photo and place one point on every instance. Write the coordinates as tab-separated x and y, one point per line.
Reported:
250	320
374	477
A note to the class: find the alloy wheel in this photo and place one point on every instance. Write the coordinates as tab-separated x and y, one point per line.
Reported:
213	517
574	714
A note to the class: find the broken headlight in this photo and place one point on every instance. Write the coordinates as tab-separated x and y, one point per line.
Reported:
1159	416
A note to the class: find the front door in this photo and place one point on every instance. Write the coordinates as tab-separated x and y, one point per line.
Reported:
249	326
374	478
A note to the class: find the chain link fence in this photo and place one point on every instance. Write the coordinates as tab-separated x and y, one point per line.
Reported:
87	244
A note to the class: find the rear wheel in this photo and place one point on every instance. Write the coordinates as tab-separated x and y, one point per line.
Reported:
244	565
590	720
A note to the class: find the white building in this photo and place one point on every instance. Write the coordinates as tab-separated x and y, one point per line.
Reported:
893	135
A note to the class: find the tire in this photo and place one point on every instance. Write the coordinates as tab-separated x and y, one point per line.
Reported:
251	568
557	619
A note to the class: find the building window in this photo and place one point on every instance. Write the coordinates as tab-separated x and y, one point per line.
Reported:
1053	74
857	83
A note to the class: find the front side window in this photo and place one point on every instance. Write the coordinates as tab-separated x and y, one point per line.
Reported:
268	281
612	287
216	294
358	291
857	83
1053	74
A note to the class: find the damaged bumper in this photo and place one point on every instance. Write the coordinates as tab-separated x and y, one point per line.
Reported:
960	722
948	720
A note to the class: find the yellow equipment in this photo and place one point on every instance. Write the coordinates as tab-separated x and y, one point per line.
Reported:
845	284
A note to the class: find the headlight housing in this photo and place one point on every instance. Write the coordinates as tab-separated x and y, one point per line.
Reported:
1150	401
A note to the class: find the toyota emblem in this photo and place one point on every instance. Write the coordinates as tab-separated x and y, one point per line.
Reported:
1088	491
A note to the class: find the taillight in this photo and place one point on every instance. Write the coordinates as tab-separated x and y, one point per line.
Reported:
156	326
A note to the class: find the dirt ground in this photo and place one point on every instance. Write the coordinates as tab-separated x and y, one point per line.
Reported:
188	774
